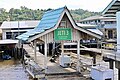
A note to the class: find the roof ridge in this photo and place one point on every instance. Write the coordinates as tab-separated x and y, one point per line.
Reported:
55	9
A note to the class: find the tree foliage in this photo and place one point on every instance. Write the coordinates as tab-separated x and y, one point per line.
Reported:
25	13
79	14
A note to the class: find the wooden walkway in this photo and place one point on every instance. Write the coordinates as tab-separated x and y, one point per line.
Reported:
96	50
52	68
104	52
111	54
56	69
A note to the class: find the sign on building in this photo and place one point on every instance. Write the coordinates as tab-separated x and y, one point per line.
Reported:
63	34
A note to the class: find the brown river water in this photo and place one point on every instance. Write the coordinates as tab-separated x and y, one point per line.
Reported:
12	70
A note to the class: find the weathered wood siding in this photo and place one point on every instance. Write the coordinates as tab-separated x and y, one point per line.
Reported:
49	36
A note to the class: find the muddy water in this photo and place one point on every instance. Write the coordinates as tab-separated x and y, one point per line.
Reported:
12	70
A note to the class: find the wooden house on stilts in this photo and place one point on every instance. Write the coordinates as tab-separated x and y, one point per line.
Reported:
57	26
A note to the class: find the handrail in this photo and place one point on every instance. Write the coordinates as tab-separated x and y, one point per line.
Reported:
56	47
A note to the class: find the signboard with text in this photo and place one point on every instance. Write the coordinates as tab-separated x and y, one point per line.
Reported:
63	34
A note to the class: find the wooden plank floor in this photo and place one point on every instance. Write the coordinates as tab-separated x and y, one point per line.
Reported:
53	68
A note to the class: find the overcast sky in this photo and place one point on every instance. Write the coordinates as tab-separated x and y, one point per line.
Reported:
91	5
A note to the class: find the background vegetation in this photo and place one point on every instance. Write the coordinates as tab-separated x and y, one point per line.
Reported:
25	13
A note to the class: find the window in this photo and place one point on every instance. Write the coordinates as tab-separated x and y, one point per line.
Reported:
8	35
12	35
63	24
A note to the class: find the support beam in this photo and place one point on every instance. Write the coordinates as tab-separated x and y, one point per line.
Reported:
48	49
19	50
78	55
118	74
43	50
98	43
94	59
23	61
35	56
62	48
111	64
53	48
117	65
118	31
118	41
45	56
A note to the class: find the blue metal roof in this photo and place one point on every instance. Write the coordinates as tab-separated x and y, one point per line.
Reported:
49	20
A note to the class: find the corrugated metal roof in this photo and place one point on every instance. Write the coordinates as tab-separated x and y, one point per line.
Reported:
91	28
97	31
110	26
98	17
49	20
20	24
91	18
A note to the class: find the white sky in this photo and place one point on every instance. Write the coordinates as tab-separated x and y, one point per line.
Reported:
91	5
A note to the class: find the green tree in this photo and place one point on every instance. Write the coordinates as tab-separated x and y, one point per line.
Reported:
25	13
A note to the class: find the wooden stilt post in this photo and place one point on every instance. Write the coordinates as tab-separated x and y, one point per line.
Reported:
118	74
45	58
35	56
61	58
53	48
48	48
111	64
23	60
94	59
19	46
97	43
22	53
78	55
